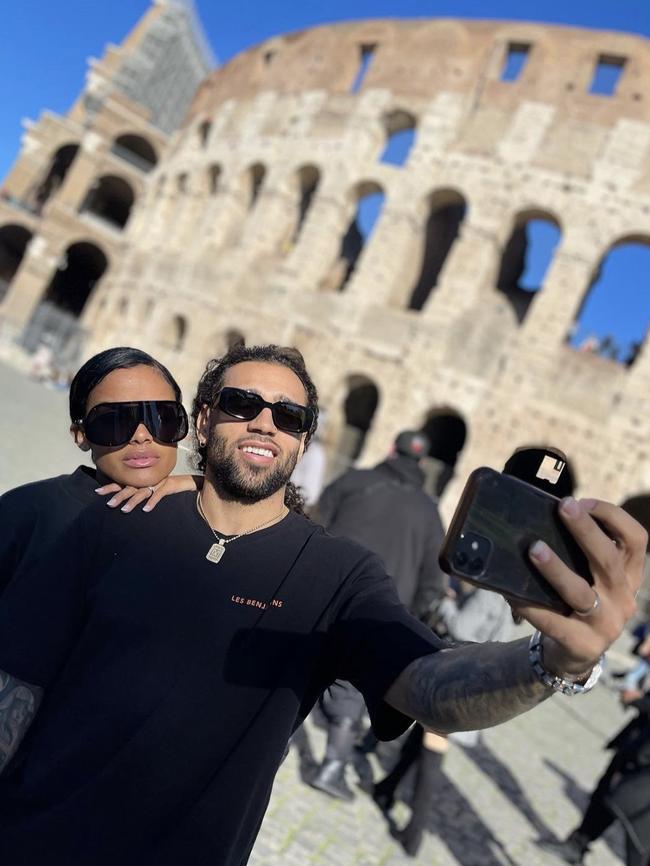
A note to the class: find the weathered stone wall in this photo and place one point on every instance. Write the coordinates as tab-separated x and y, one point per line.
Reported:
540	145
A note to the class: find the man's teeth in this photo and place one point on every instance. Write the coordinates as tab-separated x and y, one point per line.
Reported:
263	452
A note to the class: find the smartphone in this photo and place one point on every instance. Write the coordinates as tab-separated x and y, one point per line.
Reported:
495	523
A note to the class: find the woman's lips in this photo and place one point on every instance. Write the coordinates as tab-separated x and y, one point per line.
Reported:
142	461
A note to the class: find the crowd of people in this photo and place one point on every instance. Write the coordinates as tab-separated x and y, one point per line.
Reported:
156	661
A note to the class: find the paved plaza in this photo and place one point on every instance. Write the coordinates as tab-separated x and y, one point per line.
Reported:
527	778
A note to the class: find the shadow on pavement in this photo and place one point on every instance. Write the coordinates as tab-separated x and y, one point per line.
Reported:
499	774
613	838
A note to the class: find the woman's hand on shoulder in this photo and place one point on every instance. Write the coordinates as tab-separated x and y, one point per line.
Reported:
127	498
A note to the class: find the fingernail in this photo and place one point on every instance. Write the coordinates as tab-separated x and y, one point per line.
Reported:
98	489
570	507
111	503
588	504
126	507
540	551
146	508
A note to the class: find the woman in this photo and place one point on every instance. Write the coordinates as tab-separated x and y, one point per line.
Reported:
126	410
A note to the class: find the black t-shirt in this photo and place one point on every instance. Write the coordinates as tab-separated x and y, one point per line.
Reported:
172	684
33	517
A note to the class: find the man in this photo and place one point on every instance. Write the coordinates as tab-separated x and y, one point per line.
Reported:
386	510
622	792
173	653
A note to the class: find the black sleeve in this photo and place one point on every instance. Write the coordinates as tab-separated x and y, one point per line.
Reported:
374	639
42	609
432	581
17	522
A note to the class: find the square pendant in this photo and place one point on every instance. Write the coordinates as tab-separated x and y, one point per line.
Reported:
215	553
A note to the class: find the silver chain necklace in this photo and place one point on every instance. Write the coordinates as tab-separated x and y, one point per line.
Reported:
216	552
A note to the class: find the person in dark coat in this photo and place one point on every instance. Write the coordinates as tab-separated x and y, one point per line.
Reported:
622	793
386	510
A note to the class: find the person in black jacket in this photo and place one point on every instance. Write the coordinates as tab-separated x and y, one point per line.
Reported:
622	793
386	510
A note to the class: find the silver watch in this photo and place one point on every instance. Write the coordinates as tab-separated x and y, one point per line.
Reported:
552	681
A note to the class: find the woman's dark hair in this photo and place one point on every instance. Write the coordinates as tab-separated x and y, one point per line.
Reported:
100	365
211	383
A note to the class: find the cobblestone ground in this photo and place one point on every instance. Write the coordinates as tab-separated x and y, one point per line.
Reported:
527	778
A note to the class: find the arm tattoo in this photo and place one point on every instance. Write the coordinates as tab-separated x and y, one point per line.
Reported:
18	704
468	687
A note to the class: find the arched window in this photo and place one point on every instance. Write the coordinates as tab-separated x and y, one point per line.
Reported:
56	173
614	315
182	183
359	407
204	133
308	180
174	333
399	127
370	200
110	199
13	243
526	258
447	432
80	268
135	150
256	174
214	179
446	211
234	338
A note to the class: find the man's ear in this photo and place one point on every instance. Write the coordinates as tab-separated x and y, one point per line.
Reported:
203	425
79	437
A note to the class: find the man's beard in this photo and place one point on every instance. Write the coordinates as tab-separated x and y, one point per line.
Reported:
246	483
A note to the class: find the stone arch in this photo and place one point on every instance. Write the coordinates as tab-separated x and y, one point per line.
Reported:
446	209
526	257
399	127
620	281
254	180
203	132
219	342
367	199
182	184
308	178
359	408
59	166
80	268
13	244
110	198
174	332
447	432
214	175
136	150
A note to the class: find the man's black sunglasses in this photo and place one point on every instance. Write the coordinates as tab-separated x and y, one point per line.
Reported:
114	424
245	405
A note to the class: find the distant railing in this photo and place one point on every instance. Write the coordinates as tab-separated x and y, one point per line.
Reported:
19	203
133	158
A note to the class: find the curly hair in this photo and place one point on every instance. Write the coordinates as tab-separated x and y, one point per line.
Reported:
211	383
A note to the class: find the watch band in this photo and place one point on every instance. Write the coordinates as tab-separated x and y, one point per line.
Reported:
553	681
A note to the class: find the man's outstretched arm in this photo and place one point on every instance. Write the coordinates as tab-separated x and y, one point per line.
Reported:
475	686
19	702
468	687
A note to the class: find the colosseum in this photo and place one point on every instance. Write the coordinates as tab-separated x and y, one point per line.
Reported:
243	223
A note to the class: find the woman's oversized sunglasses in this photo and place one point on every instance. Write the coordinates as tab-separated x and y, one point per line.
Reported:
114	424
245	405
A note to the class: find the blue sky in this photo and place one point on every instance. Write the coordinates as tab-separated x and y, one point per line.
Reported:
46	45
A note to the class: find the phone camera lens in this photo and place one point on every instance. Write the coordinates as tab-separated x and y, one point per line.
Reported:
460	559
475	566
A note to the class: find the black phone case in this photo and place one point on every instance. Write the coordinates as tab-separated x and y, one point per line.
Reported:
495	523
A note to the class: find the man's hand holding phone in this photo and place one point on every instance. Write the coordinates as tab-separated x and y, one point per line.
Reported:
615	546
